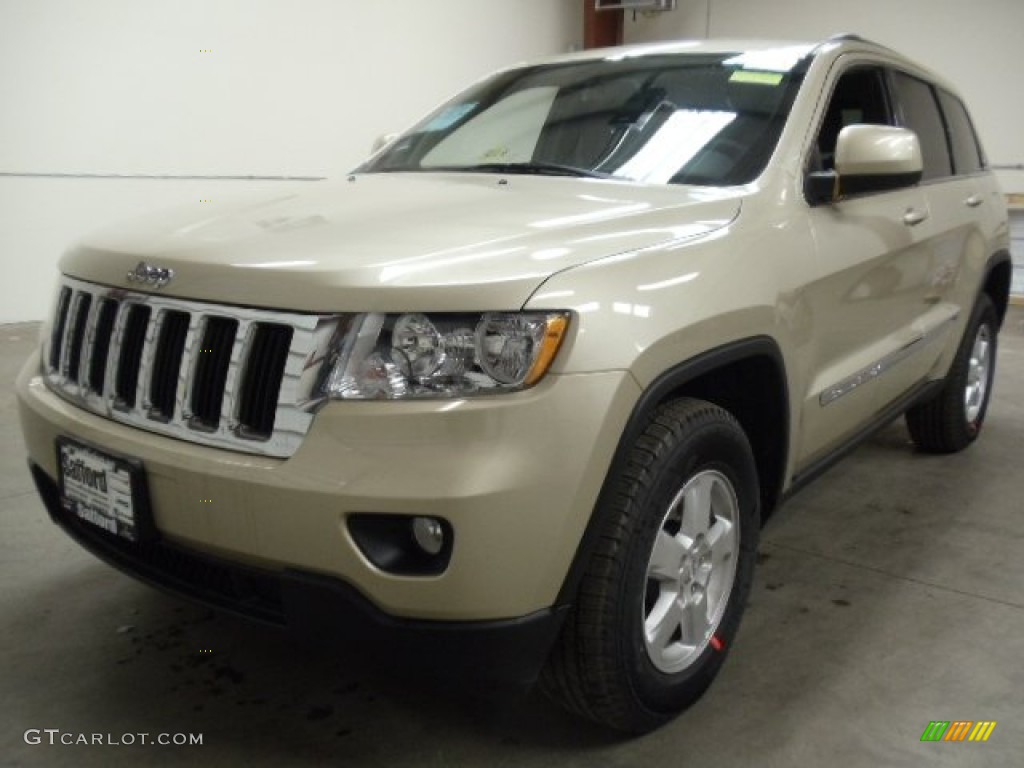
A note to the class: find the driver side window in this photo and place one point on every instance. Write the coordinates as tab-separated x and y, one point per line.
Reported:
859	97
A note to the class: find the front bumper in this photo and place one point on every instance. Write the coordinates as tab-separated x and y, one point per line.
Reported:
509	653
517	477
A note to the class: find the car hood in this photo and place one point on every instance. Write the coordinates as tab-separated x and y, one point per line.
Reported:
394	242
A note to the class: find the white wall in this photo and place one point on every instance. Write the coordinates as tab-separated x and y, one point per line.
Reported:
218	88
976	45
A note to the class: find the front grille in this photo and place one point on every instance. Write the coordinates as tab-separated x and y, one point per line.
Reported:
218	375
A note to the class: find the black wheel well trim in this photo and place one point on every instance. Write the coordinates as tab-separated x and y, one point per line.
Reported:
1001	259
659	391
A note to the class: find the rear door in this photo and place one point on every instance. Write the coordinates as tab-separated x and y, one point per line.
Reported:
950	183
973	200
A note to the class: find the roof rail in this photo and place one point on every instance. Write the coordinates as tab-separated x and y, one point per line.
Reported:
841	36
849	37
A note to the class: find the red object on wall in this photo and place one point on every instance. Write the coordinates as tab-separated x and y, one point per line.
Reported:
601	29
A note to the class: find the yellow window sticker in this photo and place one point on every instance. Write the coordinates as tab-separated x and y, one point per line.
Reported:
757	78
495	155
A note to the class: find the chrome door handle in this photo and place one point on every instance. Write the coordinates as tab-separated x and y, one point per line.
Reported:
912	218
973	201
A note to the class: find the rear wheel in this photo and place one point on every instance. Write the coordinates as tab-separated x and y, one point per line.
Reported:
953	419
661	599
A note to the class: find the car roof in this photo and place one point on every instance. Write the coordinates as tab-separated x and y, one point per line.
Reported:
716	45
756	50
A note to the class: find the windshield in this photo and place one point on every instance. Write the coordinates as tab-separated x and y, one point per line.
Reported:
709	119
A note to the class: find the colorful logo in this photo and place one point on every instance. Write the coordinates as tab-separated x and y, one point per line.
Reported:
958	730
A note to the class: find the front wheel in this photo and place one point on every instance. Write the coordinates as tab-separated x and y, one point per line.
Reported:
952	419
662	596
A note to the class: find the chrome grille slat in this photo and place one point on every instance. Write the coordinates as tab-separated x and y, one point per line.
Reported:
60	325
210	377
88	345
233	381
131	363
65	341
164	377
113	355
76	336
265	360
149	341
94	323
193	345
102	341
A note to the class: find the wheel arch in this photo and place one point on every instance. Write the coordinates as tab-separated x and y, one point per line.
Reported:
721	376
997	282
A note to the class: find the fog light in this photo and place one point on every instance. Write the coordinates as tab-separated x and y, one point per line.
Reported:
407	545
429	534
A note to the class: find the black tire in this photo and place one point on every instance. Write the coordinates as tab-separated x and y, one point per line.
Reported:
602	667
948	423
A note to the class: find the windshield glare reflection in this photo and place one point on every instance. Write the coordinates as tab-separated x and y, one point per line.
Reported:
679	118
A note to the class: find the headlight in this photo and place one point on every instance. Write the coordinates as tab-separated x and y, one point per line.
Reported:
443	355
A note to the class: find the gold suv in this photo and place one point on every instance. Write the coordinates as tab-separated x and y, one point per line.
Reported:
517	394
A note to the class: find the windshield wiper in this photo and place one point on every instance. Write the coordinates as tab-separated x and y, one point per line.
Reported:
530	168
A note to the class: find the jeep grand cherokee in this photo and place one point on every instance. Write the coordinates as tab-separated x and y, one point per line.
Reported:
519	392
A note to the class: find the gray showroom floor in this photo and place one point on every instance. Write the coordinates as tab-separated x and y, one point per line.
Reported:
889	595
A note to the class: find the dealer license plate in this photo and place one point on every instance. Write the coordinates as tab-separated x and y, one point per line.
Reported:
103	490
